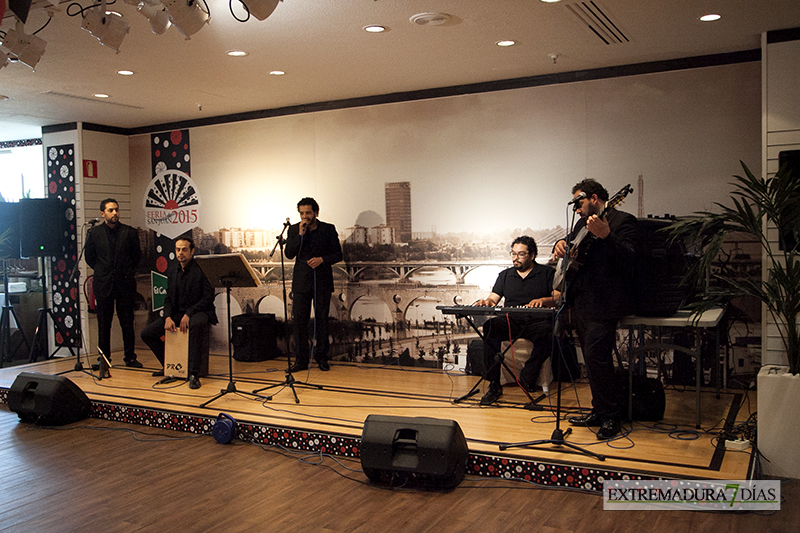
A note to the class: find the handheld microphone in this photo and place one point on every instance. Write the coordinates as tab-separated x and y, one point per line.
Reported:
577	199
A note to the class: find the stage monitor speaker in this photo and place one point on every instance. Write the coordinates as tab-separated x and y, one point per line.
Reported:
47	400
660	268
42	225
415	451
254	337
9	230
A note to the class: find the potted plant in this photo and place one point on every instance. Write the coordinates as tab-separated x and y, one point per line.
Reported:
763	208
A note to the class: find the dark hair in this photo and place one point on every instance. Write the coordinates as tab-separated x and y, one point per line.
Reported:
107	201
529	242
309	201
590	187
187	239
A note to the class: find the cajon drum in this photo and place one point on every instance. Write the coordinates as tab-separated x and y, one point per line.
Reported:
176	354
522	351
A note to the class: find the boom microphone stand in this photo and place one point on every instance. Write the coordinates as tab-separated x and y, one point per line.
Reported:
289	381
558	436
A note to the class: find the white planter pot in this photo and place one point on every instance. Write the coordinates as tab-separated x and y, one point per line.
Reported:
779	421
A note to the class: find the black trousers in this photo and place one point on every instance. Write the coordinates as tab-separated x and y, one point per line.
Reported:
496	330
199	333
301	314
597	338
105	317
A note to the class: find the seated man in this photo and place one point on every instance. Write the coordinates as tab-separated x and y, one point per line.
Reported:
526	284
188	306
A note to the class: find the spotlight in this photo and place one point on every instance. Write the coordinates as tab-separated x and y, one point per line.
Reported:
28	49
186	15
108	28
155	15
261	9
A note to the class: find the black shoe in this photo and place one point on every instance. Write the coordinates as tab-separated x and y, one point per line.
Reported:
530	387
158	373
298	367
493	394
590	420
609	429
323	365
194	382
133	363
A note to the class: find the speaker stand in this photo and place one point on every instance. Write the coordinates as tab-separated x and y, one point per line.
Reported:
5	327
40	344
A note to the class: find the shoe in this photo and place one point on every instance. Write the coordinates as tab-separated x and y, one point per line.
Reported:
609	429
298	367
194	382
96	367
530	387
323	365
133	363
493	394
590	420
158	373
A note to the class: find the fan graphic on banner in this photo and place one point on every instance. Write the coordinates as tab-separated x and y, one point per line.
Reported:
172	204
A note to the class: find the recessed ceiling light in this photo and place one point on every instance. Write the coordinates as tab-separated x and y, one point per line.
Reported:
276	73
710	17
550	1
237	53
100	95
125	72
375	28
506	42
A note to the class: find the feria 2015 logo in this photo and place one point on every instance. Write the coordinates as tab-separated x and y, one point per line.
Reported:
172	203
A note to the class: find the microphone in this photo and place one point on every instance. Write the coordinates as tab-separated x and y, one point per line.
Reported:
287	223
577	199
168	379
93	221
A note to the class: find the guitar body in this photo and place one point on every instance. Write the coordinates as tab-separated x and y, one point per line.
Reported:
569	265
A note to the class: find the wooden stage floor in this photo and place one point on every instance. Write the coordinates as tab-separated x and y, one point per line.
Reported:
672	448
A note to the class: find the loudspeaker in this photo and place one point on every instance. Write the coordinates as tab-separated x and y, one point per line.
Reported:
9	222
47	400
254	337
660	268
42	224
649	400
426	452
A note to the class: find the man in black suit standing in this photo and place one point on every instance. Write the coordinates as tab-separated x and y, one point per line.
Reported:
188	306
113	252
601	293
316	246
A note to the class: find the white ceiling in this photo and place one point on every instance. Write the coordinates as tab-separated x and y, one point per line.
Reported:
326	54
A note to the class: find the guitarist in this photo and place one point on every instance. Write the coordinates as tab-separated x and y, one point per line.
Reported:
599	294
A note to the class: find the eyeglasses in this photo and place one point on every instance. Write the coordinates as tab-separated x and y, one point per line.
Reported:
518	254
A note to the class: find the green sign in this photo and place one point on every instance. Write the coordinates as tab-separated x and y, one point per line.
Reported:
159	285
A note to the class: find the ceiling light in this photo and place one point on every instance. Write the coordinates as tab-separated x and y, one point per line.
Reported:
125	72
550	1
100	95
107	27
155	15
276	73
506	43
375	28
430	19
237	53
710	17
261	9
27	49
186	15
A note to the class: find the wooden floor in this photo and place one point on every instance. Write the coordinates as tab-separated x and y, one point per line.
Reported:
99	475
672	448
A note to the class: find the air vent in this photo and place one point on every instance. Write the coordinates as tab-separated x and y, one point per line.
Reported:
92	100
596	19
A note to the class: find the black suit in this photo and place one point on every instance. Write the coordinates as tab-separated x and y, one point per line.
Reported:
188	293
600	294
114	255
312	285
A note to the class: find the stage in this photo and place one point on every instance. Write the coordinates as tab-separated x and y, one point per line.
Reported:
331	419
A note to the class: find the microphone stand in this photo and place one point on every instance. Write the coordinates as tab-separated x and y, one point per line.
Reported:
289	380
558	436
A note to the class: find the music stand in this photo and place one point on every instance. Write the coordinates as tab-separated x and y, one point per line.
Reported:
229	270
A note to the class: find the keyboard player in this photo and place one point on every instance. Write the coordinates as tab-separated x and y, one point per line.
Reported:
527	284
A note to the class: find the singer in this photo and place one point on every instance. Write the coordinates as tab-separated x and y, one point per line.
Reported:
315	245
599	295
113	252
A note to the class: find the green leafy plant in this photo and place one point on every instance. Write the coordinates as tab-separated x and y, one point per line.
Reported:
763	208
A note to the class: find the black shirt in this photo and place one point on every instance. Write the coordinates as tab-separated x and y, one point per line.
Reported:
520	291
